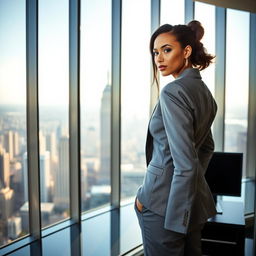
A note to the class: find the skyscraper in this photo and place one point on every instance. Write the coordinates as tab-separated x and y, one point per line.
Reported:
4	168
51	145
91	139
6	210
25	176
45	177
16	144
42	142
105	133
61	193
6	202
8	143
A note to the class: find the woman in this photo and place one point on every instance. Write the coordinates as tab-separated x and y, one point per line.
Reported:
174	201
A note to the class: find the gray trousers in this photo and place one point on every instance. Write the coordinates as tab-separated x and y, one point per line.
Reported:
158	241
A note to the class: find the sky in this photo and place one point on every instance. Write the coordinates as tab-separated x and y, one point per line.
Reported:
12	52
96	50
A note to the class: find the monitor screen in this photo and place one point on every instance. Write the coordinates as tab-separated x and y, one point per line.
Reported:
224	173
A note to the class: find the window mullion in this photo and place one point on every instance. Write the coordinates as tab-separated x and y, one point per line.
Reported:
220	73
74	110
251	147
116	126
155	23
32	118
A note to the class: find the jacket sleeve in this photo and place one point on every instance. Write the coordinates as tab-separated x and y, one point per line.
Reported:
206	151
178	121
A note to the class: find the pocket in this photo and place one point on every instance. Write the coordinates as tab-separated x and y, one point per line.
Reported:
136	207
155	170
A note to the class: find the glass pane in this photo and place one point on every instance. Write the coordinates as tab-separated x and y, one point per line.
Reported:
237	85
172	12
53	110
136	85
14	221
95	102
237	80
205	13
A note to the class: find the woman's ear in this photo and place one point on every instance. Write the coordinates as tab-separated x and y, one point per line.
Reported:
187	51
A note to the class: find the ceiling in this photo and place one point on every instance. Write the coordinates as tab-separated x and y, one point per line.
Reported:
245	5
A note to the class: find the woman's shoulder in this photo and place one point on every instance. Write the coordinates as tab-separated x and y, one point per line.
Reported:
175	93
173	88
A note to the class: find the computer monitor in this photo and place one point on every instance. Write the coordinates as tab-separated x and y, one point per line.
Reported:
224	174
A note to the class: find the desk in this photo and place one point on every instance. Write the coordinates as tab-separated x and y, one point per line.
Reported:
224	234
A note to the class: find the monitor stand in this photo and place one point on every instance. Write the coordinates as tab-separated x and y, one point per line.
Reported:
218	205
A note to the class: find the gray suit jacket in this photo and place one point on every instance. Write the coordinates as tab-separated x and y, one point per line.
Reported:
178	149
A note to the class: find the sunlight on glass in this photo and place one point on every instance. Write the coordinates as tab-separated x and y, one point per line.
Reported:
95	100
53	110
135	92
14	219
135	98
237	85
237	81
205	13
172	12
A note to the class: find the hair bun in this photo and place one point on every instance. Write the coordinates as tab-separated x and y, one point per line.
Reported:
197	28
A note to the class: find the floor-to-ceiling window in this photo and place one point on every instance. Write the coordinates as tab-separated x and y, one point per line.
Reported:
95	102
135	98
237	83
172	12
95	98
205	14
135	88
53	88
14	220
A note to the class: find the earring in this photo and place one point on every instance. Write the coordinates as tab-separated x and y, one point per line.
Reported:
186	62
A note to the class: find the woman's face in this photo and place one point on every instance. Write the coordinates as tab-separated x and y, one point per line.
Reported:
169	56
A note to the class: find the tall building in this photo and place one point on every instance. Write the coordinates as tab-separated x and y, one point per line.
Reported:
4	168
16	144
45	177
6	202
8	143
1	136
25	176
105	133
58	132
6	211
14	227
51	144
42	143
61	192
91	139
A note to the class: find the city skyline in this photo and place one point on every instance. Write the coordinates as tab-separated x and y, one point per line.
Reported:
54	164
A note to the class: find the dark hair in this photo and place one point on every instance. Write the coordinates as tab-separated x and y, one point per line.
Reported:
190	34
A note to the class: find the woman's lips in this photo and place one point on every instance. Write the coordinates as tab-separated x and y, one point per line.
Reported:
162	67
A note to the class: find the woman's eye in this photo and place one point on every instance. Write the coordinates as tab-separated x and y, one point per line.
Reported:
167	50
155	53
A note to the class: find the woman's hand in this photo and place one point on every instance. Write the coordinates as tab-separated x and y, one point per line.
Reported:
139	205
